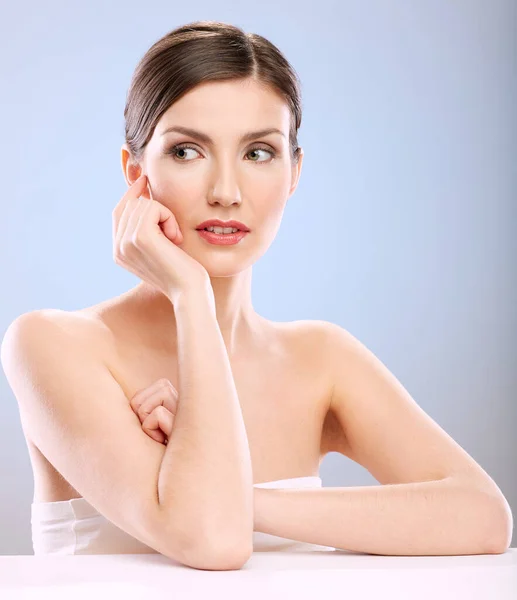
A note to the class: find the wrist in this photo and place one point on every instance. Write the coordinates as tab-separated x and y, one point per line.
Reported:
196	296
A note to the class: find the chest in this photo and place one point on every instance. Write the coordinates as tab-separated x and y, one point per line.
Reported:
283	396
283	400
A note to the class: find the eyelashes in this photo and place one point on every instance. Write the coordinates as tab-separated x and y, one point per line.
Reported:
186	146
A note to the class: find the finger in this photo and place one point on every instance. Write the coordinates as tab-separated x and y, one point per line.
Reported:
152	428
130	218
159	424
161	397
144	393
154	432
129	223
165	420
158	215
121	227
133	191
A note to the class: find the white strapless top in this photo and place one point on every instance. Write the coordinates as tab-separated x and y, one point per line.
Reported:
76	527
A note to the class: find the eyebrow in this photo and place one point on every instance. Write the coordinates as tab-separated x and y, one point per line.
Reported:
203	137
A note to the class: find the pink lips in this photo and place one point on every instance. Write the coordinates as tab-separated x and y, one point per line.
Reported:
219	223
222	239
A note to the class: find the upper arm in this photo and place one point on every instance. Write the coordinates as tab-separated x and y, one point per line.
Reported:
78	416
386	430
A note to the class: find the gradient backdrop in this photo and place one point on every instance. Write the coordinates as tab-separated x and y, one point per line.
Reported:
402	229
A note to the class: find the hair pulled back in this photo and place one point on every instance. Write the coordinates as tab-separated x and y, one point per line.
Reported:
196	53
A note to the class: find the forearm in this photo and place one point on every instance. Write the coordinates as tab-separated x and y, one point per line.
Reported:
443	517
205	481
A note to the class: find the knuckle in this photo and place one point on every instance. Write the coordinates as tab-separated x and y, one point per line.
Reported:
124	246
147	418
143	413
138	237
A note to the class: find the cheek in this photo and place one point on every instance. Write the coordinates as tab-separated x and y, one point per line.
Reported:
271	194
277	188
175	192
271	208
267	192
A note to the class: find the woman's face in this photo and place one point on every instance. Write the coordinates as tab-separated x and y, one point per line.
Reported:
228	177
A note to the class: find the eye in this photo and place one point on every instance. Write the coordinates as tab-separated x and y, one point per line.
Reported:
177	147
259	149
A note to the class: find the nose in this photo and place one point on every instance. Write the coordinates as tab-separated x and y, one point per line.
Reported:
225	190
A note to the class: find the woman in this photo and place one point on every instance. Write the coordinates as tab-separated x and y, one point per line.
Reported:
157	420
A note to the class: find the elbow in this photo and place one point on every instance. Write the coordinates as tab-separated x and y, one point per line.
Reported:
224	550
234	559
490	520
227	553
500	542
502	529
218	556
216	552
213	550
493	524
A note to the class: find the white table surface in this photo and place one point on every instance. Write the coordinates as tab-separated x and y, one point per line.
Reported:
284	575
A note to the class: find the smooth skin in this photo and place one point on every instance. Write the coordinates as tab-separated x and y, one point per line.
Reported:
219	179
226	178
144	236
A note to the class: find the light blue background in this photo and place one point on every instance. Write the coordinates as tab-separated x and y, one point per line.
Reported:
402	229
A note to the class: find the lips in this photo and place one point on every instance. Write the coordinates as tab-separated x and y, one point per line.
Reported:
219	223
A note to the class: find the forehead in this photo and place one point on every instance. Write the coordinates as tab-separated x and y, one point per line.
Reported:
228	106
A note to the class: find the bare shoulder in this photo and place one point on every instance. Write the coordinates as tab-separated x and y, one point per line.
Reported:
311	341
314	335
330	337
84	329
308	330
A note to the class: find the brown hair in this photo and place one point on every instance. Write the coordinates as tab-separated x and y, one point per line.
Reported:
199	52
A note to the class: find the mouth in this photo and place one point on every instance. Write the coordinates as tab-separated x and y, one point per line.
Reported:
222	239
223	227
211	230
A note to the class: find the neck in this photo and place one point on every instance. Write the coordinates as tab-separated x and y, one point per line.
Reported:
238	322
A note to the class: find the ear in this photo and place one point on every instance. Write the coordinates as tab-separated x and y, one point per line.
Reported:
131	170
296	172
